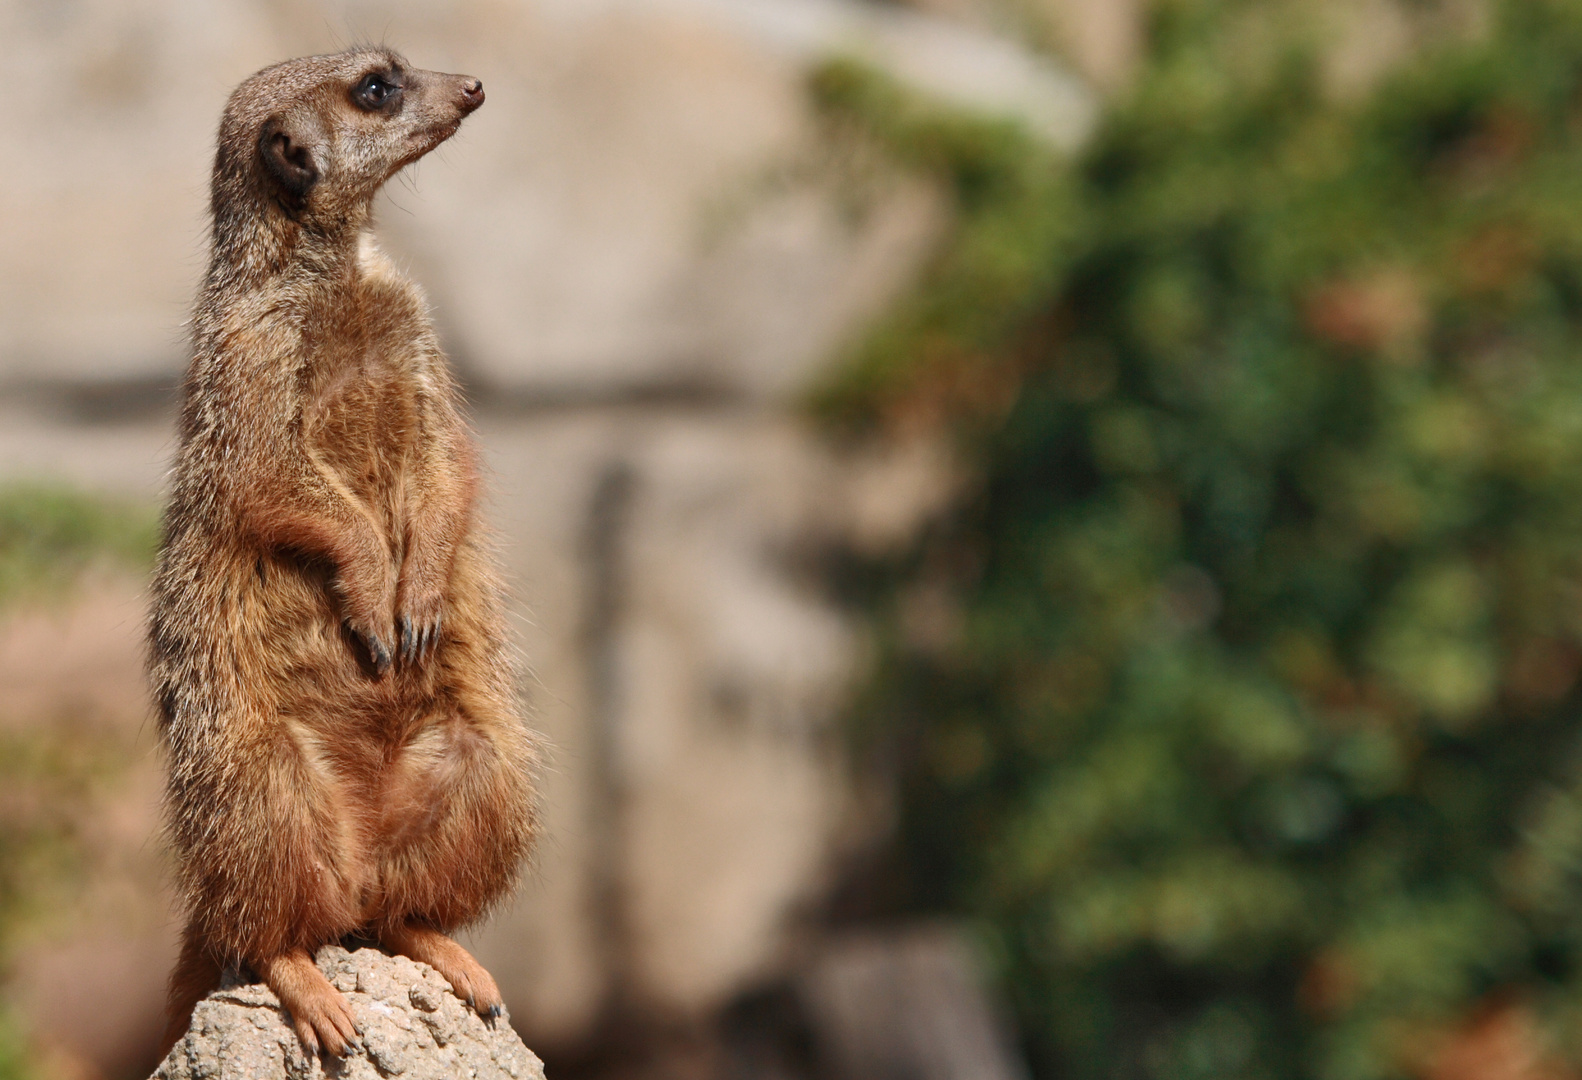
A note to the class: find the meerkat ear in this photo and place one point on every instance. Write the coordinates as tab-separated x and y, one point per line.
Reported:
288	159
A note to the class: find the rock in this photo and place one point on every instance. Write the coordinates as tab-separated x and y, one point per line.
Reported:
413	1027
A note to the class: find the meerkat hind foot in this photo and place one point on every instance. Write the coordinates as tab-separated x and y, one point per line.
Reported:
320	1013
456	965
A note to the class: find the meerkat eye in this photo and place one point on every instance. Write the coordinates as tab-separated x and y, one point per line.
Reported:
374	92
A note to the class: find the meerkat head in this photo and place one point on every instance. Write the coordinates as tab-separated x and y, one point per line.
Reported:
315	138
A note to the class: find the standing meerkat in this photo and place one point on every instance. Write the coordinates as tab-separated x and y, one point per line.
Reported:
336	692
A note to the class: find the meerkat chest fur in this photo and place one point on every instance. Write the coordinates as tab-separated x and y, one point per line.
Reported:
366	375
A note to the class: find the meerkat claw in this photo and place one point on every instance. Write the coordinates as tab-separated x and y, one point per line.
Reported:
408	643
417	641
379	653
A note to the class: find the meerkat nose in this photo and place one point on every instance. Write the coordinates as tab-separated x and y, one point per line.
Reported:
472	91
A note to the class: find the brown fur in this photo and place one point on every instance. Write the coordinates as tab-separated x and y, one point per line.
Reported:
328	646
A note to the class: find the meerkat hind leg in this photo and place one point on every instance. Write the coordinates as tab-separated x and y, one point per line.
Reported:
455	964
195	977
320	1013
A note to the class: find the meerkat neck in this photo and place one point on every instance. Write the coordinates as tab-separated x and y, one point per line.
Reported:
250	248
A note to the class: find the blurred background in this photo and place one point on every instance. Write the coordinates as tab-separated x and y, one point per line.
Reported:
1048	533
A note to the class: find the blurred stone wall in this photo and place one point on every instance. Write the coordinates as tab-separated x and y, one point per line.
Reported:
638	253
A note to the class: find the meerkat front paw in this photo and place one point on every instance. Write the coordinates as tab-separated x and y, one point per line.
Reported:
379	652
377	642
367	597
418	625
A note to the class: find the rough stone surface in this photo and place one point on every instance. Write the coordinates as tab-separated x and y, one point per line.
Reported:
413	1027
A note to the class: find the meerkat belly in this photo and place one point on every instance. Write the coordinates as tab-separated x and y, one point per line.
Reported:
413	798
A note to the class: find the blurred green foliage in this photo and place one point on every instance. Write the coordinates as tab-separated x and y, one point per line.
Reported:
1239	699
50	538
13	1056
49	778
50	535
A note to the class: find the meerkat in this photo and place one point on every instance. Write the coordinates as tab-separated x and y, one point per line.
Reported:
337	695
